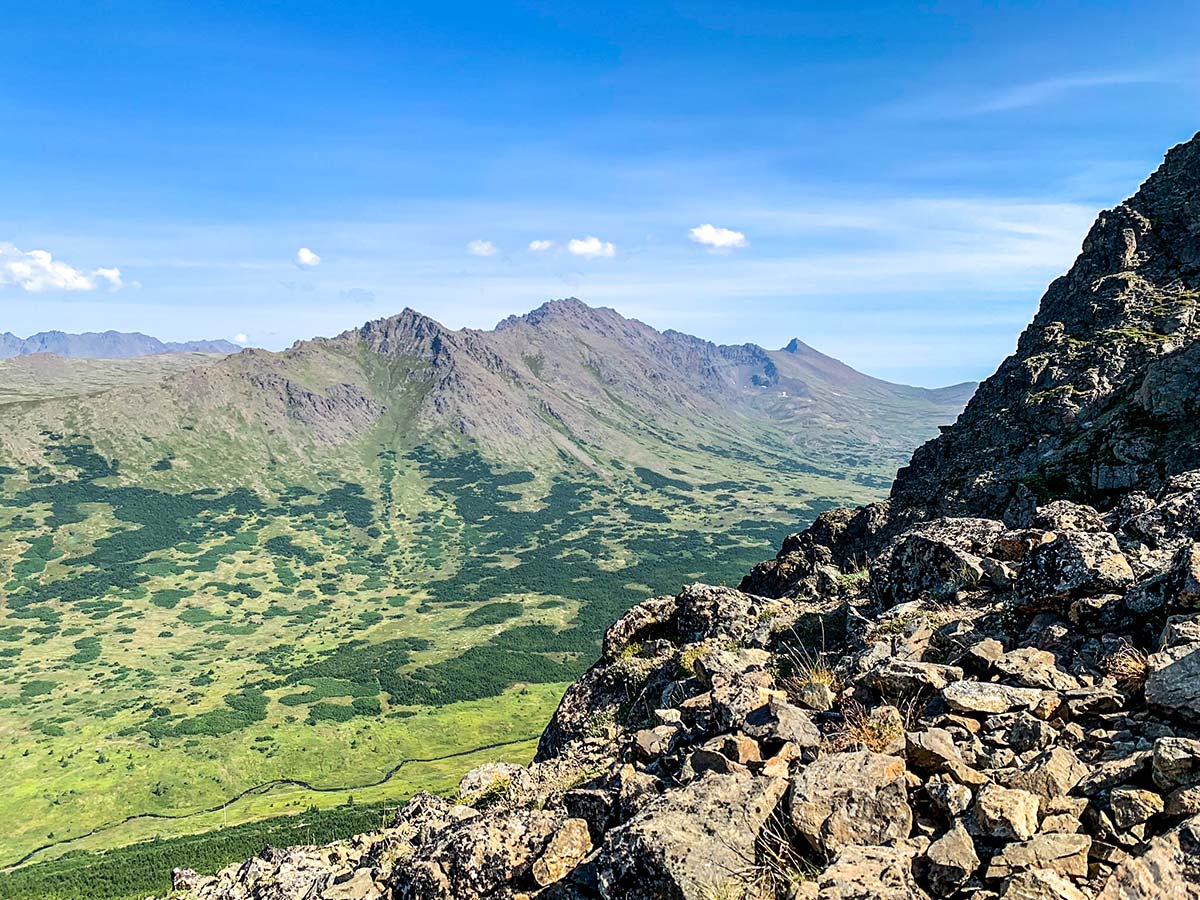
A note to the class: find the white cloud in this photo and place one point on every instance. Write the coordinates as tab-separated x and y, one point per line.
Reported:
540	246
718	240
36	271
306	259
591	246
482	248
240	339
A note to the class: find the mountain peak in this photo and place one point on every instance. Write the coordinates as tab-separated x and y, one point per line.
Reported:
570	308
1097	398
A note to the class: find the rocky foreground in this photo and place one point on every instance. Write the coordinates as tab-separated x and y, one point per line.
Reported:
988	687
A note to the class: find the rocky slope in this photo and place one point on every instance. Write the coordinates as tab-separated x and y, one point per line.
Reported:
981	689
103	345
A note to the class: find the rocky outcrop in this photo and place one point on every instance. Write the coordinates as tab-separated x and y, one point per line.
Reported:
984	689
1099	398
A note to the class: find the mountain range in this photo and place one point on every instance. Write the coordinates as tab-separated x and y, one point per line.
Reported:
103	345
399	542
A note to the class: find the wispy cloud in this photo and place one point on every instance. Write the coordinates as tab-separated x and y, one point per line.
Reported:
591	247
37	271
1046	90
985	100
540	246
482	248
357	295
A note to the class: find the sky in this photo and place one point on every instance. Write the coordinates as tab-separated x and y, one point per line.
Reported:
893	183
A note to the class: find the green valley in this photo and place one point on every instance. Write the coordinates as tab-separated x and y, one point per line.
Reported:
353	570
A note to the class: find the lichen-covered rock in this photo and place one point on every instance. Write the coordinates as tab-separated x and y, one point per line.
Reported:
870	873
1075	563
851	798
689	842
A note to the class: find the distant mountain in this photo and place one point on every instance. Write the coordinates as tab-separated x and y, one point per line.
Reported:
103	345
226	562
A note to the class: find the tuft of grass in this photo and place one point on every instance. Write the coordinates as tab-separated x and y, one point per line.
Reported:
849	581
489	795
805	668
1129	666
865	727
630	651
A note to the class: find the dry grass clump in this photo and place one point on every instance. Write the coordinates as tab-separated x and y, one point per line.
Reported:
1129	666
874	729
776	873
804	668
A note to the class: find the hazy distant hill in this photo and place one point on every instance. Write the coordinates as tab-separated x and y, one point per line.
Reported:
104	345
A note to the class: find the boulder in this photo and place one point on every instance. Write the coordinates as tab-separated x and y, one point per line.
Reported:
1040	884
935	562
1052	773
1176	763
950	860
870	873
1075	563
851	798
1066	854
1168	869
1174	680
983	697
777	722
1007	813
896	678
1132	806
567	848
691	840
1034	668
477	856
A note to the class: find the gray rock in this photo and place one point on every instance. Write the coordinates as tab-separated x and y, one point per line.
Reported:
777	722
1169	869
1006	813
1132	806
851	798
870	873
1040	884
1176	763
895	678
950	860
1066	854
1075	563
1174	680
1034	668
982	697
1051	774
690	841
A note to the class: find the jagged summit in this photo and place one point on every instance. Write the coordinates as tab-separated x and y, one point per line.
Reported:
1099	397
570	308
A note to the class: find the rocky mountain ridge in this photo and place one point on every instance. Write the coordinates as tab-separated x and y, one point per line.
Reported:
104	345
984	688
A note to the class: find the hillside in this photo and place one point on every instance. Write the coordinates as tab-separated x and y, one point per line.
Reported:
356	568
103	345
46	376
1003	702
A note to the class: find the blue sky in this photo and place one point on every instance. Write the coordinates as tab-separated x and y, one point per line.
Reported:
905	178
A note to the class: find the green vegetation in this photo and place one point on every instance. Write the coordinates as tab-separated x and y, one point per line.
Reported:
177	636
